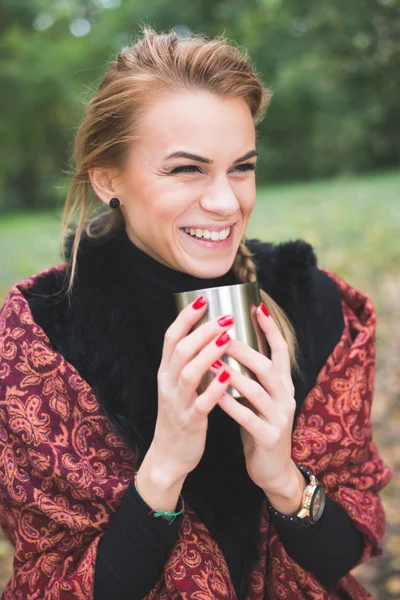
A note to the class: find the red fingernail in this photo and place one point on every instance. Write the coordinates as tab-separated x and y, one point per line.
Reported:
217	364
225	320
223	339
223	376
201	301
264	309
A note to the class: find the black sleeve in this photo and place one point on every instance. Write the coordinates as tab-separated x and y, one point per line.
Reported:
331	547
133	550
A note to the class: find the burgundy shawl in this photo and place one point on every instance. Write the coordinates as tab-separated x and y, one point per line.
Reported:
64	470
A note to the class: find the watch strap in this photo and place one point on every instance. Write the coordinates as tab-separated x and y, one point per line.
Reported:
294	520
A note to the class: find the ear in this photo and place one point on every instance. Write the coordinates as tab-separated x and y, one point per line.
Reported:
104	183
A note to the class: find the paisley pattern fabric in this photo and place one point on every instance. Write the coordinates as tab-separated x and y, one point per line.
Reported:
64	470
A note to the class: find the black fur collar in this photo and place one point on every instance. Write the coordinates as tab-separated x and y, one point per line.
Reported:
113	333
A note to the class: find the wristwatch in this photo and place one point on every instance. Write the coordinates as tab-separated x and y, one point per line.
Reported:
313	501
312	504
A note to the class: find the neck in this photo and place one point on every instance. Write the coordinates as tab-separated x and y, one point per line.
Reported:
158	278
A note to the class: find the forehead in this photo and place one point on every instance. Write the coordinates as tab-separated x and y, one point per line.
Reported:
200	122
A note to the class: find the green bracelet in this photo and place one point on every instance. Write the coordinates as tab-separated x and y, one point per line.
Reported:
162	513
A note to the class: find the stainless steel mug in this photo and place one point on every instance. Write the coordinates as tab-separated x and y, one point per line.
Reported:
240	300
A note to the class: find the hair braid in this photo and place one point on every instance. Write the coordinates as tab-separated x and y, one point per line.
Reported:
245	269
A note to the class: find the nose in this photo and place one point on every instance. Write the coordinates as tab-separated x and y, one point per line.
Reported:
221	199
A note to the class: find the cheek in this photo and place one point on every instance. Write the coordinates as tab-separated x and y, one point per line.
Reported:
167	200
247	196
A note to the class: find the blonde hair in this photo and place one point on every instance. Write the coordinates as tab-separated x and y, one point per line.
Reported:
156	63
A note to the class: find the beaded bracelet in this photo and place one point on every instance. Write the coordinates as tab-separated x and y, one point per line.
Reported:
293	520
162	513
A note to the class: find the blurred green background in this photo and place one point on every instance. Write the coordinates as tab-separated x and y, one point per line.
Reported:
328	166
332	65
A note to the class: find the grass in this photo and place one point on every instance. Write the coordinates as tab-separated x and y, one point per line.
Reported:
353	224
28	244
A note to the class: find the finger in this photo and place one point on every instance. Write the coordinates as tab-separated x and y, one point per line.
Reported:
192	345
252	393
256	427
191	375
259	364
206	401
180	327
279	349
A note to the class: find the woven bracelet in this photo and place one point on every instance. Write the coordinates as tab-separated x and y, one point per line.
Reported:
162	513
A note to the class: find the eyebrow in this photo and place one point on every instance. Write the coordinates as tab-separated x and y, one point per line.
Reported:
208	161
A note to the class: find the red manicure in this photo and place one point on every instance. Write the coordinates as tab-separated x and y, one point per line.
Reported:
264	309
223	376
225	321
223	339
217	364
201	301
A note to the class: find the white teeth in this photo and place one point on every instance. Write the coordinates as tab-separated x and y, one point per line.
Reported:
206	234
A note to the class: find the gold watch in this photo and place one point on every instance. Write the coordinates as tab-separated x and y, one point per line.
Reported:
314	497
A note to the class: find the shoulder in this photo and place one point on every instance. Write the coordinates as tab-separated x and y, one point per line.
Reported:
328	324
31	304
290	274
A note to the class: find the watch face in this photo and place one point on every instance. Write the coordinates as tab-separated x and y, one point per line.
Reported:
317	504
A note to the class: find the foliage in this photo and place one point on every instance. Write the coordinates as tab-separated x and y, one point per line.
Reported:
332	66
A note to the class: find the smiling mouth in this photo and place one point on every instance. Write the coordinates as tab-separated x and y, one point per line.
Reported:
207	235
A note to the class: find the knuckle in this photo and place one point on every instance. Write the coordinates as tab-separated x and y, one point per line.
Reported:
199	407
282	344
187	375
211	329
180	350
286	415
291	407
247	419
284	421
259	392
161	376
274	437
169	336
256	391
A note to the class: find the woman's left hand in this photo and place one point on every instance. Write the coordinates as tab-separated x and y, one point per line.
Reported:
266	412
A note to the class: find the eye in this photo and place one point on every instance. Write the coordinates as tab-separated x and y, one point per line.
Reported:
181	169
246	167
189	168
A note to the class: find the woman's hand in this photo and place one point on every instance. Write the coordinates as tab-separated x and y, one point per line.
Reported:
265	415
182	419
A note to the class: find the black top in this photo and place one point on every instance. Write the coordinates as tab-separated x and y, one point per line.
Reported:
122	289
134	548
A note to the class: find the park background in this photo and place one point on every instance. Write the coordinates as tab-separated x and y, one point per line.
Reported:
329	152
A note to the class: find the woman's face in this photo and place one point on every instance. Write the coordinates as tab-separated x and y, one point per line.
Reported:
161	194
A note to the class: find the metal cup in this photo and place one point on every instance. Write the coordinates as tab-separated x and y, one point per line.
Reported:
240	300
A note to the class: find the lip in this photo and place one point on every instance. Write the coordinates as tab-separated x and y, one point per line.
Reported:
210	226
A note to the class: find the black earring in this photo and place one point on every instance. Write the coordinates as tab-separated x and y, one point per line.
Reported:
114	203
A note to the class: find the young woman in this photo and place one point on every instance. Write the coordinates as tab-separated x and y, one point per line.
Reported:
119	480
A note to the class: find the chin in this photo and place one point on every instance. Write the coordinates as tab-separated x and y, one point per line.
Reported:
211	273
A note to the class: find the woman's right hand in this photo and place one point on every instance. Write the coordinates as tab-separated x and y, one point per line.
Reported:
182	420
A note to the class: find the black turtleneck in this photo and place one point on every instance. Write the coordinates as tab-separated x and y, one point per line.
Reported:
156	284
135	546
